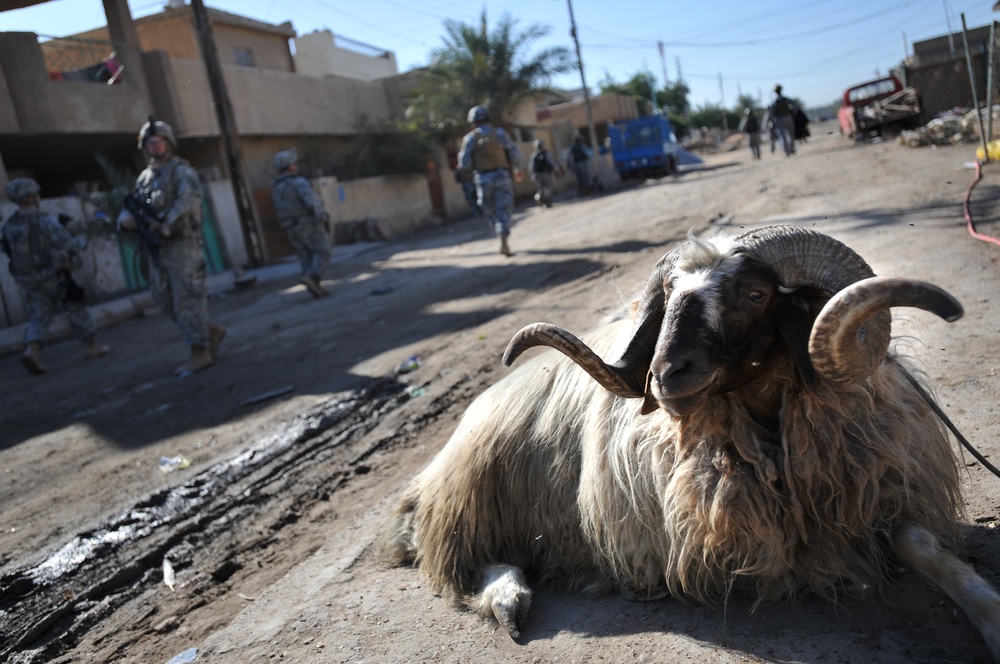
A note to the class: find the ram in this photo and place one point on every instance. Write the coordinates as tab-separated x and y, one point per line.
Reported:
756	436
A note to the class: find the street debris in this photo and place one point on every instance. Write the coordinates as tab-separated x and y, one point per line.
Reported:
168	574
271	394
955	126
407	365
170	464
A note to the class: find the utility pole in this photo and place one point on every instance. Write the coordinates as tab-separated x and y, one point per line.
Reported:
947	18
975	95
906	55
652	88
722	94
663	64
680	79
230	136
586	92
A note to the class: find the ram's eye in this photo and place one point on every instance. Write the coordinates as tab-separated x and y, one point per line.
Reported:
757	296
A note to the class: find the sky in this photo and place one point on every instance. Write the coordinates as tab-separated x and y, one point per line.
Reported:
721	48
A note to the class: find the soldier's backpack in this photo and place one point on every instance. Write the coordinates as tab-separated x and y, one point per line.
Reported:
488	153
751	124
579	152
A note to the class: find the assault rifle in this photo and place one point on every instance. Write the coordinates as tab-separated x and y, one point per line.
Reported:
147	225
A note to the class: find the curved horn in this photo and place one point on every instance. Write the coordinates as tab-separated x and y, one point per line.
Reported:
627	376
837	346
802	257
610	377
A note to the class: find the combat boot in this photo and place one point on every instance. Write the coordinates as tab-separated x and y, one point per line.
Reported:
504	247
312	283
216	333
200	359
32	358
93	349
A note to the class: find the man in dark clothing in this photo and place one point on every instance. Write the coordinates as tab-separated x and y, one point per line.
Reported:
782	112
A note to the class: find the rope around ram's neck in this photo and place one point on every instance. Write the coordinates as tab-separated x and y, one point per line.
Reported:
948	423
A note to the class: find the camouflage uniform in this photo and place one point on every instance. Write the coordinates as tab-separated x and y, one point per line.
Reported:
172	192
300	211
42	253
492	173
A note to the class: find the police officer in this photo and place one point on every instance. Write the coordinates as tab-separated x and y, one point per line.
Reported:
543	169
169	190
42	253
300	211
494	158
578	159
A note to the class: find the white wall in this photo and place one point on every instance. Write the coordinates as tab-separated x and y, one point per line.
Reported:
316	54
227	218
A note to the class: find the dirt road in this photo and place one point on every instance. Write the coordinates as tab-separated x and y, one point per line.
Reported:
302	434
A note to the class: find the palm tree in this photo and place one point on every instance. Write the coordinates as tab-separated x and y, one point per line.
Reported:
476	66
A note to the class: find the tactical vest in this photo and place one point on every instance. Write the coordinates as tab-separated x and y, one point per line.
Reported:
159	192
30	252
288	205
488	153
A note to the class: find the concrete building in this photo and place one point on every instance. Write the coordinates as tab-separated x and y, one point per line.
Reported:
320	53
939	70
605	109
68	105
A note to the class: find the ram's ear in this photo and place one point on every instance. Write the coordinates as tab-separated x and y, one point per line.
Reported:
649	403
794	319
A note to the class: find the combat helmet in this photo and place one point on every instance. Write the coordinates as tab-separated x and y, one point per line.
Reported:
21	190
284	159
539	144
154	127
479	114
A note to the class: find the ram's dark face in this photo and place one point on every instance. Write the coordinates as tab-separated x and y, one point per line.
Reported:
717	334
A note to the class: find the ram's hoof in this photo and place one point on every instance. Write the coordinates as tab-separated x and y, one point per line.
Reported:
506	597
510	616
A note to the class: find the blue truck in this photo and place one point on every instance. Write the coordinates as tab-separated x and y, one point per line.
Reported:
644	147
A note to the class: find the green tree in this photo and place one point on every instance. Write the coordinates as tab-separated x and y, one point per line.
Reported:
675	97
710	115
640	87
493	69
746	101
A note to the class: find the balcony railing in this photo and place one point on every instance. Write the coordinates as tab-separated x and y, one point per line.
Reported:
85	60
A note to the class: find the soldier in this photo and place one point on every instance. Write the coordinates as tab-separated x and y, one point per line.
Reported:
168	196
578	159
42	253
300	211
543	168
491	154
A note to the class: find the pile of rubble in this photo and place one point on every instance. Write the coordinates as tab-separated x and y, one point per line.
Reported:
956	126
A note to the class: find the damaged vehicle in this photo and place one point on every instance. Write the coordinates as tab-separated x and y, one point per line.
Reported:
878	108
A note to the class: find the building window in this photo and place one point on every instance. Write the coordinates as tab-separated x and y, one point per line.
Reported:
244	57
